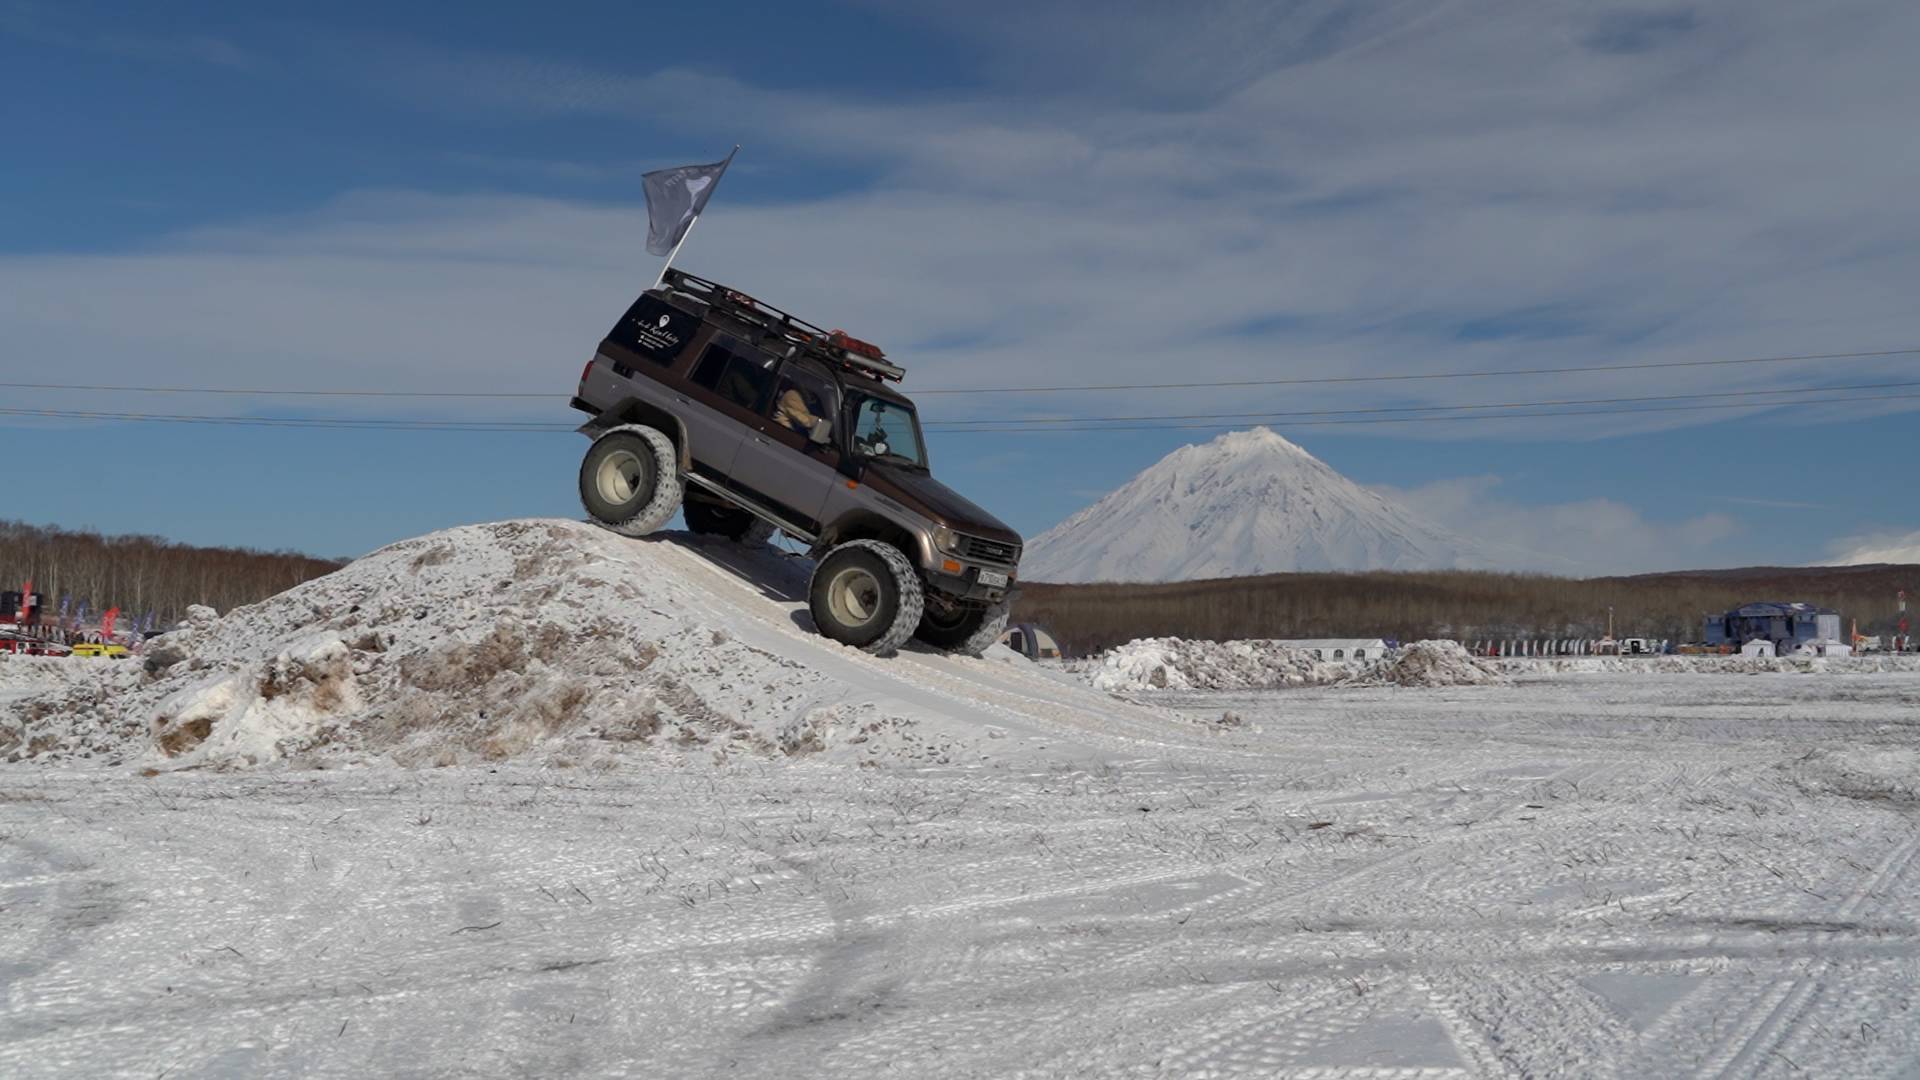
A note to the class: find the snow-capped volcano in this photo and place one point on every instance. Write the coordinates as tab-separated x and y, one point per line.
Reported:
1249	502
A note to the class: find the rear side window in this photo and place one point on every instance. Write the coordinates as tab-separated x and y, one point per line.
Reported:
737	372
655	329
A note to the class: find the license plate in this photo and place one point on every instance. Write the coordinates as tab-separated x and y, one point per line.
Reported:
991	577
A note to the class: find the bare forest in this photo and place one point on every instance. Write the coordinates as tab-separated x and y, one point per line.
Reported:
144	573
1452	604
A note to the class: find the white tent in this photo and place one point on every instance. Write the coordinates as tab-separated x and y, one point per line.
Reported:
1823	647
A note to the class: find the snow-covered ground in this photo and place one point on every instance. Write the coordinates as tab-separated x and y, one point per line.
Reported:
1614	873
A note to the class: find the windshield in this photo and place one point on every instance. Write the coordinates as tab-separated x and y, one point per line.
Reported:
887	430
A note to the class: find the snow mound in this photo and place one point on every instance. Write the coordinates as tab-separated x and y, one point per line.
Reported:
1434	663
553	639
1178	664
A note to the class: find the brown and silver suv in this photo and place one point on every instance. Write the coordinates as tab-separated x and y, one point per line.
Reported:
750	420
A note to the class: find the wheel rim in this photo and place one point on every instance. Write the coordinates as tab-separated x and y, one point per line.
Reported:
854	596
619	475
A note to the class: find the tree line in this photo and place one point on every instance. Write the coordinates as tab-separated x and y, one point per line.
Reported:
138	574
1463	605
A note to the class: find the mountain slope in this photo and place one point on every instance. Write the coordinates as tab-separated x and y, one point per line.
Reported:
1249	502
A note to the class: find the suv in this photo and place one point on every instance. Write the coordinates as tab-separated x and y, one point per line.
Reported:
752	421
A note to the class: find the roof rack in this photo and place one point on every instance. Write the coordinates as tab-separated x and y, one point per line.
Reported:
836	347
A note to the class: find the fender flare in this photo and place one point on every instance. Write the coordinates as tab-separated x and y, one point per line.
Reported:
632	411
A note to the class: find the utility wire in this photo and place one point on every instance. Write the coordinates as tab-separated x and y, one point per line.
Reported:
535	427
1305	381
1411	378
1433	419
368	423
956	424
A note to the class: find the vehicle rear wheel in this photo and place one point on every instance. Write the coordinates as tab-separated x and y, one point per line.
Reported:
630	479
728	521
866	594
960	629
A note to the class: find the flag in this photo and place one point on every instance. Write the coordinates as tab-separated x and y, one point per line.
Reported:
675	197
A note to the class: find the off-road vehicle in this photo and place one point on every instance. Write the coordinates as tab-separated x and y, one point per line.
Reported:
749	420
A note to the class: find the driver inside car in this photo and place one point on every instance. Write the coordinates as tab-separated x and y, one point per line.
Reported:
796	408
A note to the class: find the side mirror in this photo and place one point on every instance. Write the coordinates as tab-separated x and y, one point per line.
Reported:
821	432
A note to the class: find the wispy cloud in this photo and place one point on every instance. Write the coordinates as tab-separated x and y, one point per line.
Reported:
1884	546
1775	504
1390	189
1590	536
44	26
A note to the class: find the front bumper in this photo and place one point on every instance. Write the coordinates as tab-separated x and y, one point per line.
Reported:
966	585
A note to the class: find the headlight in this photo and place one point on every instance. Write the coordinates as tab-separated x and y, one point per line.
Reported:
946	539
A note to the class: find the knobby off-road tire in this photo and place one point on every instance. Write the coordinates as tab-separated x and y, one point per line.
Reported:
630	479
866	594
730	522
966	631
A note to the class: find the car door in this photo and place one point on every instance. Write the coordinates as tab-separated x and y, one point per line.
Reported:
779	466
721	401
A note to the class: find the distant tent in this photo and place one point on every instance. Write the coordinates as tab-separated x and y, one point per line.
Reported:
1031	641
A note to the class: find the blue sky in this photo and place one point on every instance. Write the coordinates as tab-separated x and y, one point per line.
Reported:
377	196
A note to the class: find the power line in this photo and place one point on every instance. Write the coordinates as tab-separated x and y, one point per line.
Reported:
238	392
956	424
1229	383
1434	419
1412	378
536	427
362	423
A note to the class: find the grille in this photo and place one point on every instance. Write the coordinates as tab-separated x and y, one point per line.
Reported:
980	549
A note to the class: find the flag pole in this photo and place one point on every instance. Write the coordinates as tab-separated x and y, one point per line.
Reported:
696	220
675	251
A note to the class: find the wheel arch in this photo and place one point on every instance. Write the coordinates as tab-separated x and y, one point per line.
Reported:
865	525
635	410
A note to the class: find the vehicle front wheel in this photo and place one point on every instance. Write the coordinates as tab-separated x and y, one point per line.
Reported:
866	594
730	522
960	629
630	479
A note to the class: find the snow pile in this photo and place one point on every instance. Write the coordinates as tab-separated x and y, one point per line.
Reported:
1178	664
486	642
1434	663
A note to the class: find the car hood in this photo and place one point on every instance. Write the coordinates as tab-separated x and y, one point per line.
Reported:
921	492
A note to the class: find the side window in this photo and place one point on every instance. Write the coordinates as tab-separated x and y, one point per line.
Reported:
804	395
737	372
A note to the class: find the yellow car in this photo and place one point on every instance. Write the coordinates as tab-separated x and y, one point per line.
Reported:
112	652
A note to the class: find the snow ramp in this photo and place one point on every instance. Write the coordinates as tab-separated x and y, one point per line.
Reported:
559	640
